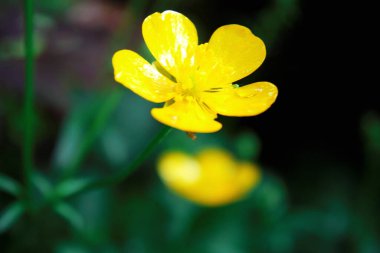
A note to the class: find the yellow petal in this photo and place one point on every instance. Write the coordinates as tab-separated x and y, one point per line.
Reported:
248	100
233	53
220	184
247	177
137	74
172	39
217	164
187	116
222	179
181	173
211	178
178	170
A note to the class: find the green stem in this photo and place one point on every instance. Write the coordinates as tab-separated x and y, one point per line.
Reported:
28	144
124	173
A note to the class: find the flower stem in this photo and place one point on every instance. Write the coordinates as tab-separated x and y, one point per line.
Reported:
28	144
124	173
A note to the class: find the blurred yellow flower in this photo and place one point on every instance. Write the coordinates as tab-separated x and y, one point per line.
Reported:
211	178
195	81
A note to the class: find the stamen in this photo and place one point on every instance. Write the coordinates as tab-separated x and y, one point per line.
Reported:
214	89
205	107
168	103
163	71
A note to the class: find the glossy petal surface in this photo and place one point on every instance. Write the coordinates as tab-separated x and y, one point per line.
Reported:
138	75
172	39
233	53
248	100
188	116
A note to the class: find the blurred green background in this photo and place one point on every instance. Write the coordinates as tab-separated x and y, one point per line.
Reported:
318	146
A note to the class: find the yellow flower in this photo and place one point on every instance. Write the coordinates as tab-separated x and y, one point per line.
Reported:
195	81
211	178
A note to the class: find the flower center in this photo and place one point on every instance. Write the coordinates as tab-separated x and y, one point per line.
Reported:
186	90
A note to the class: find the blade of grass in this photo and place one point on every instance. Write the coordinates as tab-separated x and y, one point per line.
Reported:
10	215
70	214
9	185
28	144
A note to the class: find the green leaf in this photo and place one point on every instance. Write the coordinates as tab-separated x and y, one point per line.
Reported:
10	215
83	126
71	186
42	184
73	132
70	214
9	185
